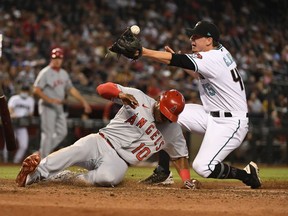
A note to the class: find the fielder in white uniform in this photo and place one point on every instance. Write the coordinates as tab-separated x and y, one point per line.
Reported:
223	116
51	86
21	105
141	128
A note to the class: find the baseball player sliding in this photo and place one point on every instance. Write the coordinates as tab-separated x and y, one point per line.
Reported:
141	128
223	116
51	86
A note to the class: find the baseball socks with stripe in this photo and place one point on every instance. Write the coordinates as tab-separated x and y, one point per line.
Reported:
249	175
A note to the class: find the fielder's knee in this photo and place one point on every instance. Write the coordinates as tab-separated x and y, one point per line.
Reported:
201	169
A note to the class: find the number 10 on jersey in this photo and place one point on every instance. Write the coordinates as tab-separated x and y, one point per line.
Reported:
141	151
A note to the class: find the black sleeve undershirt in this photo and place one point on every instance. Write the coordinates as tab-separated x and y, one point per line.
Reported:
182	61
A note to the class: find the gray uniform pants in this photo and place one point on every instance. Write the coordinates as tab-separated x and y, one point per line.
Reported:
91	152
53	128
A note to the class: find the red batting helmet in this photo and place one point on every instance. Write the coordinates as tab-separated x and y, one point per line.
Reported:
171	103
57	53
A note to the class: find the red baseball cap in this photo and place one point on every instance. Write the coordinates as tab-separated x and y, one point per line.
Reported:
57	53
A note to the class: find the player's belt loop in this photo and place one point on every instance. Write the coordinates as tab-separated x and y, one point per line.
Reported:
109	143
102	135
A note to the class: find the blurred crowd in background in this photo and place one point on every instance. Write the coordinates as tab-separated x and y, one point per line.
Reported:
255	32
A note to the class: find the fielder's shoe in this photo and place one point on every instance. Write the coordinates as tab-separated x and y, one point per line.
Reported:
254	180
159	178
28	166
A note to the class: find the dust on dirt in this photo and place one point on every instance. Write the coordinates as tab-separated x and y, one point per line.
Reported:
131	198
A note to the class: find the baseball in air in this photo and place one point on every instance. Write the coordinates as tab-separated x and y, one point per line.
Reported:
135	29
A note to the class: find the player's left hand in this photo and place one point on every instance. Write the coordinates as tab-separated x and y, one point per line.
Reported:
128	99
128	45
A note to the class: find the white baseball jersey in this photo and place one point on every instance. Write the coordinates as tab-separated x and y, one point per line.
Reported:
22	106
220	85
222	92
135	135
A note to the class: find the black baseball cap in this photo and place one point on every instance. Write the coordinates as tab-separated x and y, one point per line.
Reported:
205	29
25	87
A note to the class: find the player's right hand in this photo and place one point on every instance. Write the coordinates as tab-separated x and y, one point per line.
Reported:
191	184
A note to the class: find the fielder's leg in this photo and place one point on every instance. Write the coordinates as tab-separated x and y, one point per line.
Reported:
217	145
249	175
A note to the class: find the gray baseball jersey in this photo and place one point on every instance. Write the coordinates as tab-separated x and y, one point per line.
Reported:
136	136
54	84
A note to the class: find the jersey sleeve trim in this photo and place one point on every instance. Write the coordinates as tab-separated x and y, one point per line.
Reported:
182	60
192	60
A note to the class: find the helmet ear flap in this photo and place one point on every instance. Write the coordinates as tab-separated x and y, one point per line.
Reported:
171	103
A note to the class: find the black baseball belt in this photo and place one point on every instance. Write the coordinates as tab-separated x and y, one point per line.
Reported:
226	114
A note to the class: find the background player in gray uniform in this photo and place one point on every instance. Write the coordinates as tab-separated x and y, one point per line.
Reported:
223	117
51	86
21	105
141	128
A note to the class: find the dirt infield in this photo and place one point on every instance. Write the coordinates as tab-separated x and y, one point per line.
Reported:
131	198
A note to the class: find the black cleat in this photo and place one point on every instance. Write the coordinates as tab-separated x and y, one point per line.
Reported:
159	178
254	180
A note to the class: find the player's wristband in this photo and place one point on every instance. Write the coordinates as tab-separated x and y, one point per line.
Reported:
108	90
185	174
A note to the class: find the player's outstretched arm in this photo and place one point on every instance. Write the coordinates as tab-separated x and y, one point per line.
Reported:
160	56
182	167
